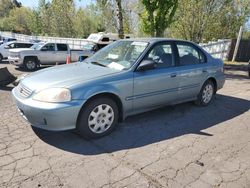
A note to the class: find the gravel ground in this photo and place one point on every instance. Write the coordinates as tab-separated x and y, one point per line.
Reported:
176	146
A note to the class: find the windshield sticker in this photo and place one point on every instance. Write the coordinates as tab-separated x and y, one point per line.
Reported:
139	43
115	65
113	56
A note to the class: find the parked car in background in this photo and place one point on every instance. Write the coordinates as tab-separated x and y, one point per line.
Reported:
35	40
97	41
125	78
4	48
43	54
7	40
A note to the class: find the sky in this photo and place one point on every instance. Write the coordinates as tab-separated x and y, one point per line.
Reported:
34	3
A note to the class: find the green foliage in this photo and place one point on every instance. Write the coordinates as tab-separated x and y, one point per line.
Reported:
196	20
157	16
5	7
205	20
62	15
84	23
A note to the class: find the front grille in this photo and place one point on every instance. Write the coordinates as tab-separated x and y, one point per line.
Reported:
24	91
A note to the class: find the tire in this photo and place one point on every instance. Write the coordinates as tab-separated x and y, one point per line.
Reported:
30	64
1	58
206	94
98	118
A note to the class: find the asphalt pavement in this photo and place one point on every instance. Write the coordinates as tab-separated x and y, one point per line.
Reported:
176	146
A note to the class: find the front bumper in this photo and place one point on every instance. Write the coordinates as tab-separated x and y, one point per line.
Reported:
15	61
48	116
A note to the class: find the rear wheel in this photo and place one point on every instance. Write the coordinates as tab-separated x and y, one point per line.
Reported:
98	118
30	64
206	94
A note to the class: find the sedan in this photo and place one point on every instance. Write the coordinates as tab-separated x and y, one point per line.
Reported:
127	77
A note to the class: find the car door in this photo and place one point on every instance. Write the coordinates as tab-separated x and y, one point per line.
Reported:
5	50
192	70
158	86
47	53
61	53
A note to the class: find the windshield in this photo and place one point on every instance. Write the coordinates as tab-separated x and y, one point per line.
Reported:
37	46
88	45
119	55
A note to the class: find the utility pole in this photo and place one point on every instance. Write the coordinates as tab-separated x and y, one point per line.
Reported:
237	44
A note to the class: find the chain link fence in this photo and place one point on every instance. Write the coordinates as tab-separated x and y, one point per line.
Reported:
218	49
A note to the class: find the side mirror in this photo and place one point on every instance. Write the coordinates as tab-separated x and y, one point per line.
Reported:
147	64
6	47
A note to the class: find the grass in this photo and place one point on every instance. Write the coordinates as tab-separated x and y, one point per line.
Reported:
235	63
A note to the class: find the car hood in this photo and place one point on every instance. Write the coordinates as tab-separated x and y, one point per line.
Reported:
65	75
21	49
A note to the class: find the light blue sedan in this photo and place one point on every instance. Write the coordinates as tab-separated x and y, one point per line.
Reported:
125	78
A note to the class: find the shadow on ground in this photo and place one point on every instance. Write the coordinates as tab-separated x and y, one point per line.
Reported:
6	88
237	76
152	127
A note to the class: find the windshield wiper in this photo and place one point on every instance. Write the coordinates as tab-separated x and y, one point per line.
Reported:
97	63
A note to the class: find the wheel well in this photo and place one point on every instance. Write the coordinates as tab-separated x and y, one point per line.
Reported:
214	82
109	95
31	57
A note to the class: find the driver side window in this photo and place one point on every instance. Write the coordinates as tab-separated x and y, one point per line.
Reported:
162	55
49	47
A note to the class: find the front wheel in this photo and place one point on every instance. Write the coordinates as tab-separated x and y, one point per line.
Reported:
206	94
30	64
1	58
98	118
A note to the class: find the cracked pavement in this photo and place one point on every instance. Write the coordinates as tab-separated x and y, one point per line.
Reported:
176	146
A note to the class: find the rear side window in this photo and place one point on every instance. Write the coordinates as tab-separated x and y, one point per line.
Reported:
48	47
189	55
23	45
62	47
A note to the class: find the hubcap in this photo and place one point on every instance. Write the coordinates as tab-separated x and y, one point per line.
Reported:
207	93
31	65
101	118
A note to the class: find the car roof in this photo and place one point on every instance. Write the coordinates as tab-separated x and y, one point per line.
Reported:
22	42
153	40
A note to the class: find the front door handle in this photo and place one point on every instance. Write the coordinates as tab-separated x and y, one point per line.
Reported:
173	75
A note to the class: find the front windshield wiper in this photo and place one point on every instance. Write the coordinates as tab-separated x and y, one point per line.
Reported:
97	63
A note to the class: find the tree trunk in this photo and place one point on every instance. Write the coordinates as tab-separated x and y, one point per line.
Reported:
120	19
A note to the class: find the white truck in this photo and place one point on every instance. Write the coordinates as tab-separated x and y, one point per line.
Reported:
5	47
43	54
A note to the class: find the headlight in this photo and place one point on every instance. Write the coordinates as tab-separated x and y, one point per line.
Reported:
53	95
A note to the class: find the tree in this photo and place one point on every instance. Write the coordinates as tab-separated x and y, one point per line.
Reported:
35	23
157	16
85	22
44	17
19	20
120	19
6	6
108	12
62	15
204	20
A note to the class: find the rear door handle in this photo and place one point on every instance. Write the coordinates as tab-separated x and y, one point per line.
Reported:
173	75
